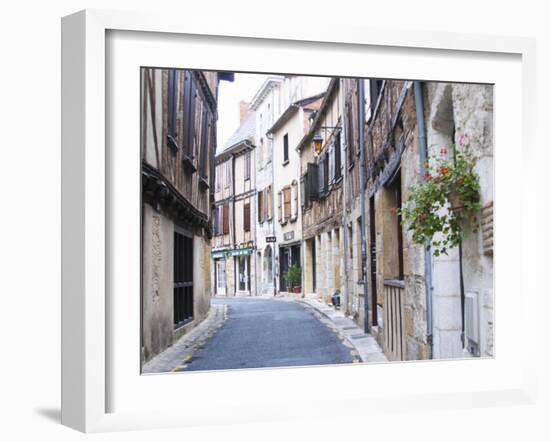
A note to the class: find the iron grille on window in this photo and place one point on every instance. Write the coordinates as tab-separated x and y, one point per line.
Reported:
183	279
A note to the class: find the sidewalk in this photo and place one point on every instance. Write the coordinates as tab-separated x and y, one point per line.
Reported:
365	345
175	357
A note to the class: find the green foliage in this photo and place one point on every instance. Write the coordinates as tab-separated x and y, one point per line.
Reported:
446	201
293	276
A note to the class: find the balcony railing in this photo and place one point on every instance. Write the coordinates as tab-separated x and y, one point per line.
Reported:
394	291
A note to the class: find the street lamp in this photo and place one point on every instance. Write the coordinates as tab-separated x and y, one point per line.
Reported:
317	142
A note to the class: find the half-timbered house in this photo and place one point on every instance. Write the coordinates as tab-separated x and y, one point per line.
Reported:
178	141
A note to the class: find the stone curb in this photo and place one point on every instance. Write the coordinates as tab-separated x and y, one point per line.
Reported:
368	349
175	356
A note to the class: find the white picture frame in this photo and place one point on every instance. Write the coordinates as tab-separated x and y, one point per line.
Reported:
87	359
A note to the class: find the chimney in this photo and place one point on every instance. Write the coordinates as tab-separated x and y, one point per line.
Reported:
244	107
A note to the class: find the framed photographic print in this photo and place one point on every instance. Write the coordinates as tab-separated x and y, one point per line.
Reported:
250	215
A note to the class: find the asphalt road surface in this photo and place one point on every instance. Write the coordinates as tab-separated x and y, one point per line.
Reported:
268	333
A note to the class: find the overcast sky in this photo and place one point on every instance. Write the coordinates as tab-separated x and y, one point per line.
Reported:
230	95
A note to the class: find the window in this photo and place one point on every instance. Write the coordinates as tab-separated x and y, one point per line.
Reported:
183	279
247	166
312	182
375	89
246	217
215	225
225	219
285	149
286	203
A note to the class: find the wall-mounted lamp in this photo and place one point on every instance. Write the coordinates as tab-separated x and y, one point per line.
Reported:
317	142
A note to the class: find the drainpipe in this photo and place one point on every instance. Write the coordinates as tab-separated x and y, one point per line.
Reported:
423	155
362	179
345	213
273	247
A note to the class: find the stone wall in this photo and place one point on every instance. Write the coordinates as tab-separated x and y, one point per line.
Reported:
462	114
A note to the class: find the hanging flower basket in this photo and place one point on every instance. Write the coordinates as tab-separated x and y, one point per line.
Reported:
444	205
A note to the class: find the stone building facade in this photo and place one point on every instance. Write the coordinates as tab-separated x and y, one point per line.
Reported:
419	306
322	200
287	132
266	106
234	246
178	141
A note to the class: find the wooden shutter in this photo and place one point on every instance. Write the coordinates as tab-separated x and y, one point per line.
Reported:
203	153
330	157
172	103
295	188
286	194
225	219
247	166
189	111
313	181
269	206
260	206
279	206
246	217
325	174
304	190
337	157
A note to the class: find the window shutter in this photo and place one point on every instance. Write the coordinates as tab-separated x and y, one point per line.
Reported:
331	169
325	174
260	206
215	221
226	219
304	190
269	199
321	175
286	194
279	207
337	157
246	217
172	103
203	154
295	190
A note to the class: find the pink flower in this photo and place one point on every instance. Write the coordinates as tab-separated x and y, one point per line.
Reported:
443	151
463	140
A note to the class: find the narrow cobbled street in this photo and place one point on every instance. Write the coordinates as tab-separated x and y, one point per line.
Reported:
268	333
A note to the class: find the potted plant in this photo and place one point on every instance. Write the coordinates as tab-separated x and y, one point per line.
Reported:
293	279
445	202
